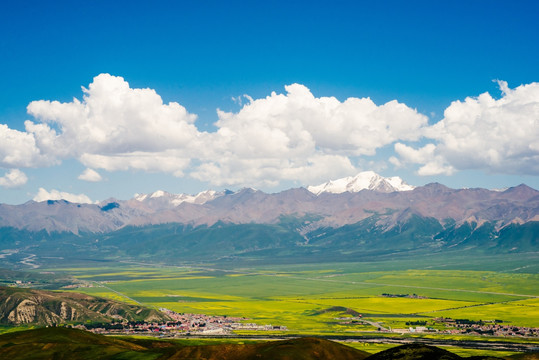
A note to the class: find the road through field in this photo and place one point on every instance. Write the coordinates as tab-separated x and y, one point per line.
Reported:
101	284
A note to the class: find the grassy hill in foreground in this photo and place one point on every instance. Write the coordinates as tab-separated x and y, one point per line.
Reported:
38	307
420	352
63	343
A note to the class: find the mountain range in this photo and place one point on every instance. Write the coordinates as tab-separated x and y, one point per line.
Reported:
334	203
366	213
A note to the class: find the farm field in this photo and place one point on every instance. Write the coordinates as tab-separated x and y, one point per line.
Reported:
317	299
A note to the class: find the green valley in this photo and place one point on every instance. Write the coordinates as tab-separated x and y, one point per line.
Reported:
299	296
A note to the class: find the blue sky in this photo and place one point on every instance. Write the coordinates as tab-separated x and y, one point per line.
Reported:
206	55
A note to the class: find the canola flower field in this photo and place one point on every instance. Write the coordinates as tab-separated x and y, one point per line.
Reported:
309	299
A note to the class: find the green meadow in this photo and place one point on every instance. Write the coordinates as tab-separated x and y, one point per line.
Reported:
312	299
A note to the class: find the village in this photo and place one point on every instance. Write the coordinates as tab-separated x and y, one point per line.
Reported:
486	327
448	326
182	324
470	327
186	324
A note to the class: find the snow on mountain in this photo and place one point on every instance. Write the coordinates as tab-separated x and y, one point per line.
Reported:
368	180
177	199
515	205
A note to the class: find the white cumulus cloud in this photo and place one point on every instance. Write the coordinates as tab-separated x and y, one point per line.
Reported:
13	179
496	135
291	136
44	195
19	149
299	121
281	137
90	175
268	172
297	136
111	119
433	164
170	161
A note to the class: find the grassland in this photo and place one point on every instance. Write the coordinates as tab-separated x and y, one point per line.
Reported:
302	297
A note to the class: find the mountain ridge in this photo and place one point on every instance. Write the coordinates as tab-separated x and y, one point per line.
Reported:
515	205
251	224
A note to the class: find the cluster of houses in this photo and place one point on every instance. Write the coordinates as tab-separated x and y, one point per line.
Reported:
471	327
486	327
21	283
409	296
417	329
452	326
182	324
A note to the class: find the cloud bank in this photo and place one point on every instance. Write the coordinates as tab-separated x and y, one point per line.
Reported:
13	179
499	136
44	195
291	136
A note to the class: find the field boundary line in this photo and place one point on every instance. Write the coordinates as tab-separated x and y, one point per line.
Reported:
119	293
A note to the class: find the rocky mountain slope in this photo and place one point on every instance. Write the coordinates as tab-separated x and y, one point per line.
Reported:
38	307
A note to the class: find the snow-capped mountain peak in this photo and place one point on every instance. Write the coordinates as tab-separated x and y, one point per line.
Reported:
364	180
200	198
158	193
154	195
140	197
177	199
